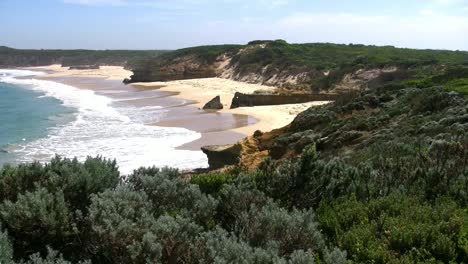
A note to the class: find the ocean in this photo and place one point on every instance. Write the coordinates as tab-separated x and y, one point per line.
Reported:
41	119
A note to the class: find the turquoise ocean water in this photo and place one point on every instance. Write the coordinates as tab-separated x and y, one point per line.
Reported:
26	115
41	118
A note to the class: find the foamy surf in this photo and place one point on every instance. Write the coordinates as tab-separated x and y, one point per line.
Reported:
98	128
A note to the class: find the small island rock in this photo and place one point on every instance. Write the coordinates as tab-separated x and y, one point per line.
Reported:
214	104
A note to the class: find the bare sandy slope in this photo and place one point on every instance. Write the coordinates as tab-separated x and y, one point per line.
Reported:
201	91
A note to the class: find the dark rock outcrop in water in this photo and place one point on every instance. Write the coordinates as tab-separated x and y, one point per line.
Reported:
214	104
223	155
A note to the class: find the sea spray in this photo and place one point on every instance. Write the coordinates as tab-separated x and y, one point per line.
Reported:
101	128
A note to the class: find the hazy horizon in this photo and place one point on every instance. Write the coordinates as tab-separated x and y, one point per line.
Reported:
161	24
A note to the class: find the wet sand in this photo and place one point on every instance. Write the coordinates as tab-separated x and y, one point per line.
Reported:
268	117
181	102
215	128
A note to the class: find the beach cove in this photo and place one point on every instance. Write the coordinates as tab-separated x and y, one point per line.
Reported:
177	104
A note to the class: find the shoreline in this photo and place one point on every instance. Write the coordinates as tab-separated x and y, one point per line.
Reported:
99	125
203	90
196	93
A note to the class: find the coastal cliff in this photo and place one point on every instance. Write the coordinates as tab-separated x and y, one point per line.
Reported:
381	94
432	108
307	68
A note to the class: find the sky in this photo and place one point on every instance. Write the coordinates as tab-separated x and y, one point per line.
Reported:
172	24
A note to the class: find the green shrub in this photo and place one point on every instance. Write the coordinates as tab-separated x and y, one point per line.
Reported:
395	228
36	217
6	249
212	183
169	193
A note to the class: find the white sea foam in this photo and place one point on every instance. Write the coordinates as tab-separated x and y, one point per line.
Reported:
100	129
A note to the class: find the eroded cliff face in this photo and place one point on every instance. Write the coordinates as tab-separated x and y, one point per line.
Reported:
181	68
231	65
360	79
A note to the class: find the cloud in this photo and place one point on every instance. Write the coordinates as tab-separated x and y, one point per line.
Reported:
435	26
449	2
435	31
427	12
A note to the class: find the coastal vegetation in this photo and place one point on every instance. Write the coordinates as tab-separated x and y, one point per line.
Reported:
10	57
378	178
311	67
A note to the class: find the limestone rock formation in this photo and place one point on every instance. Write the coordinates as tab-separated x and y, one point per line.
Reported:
222	155
214	104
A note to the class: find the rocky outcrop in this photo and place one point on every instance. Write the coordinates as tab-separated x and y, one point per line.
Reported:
222	155
260	63
247	100
214	104
177	68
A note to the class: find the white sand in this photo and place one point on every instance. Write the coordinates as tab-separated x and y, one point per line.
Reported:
202	91
106	72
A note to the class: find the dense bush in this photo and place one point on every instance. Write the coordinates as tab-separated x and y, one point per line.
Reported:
6	250
398	202
72	211
25	57
379	178
397	229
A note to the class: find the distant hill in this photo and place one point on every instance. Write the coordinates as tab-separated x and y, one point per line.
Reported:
314	67
10	57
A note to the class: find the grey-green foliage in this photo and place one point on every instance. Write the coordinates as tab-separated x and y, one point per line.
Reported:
305	181
77	180
36	217
118	218
237	198
218	246
304	257
335	256
6	249
126	231
168	192
176	235
153	216
52	257
289	231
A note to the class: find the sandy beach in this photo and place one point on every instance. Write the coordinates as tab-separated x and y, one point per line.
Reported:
220	127
203	90
105	72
